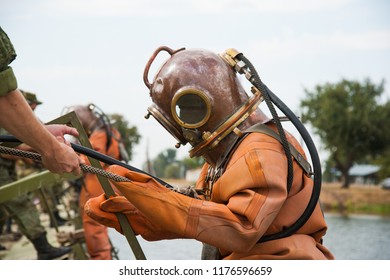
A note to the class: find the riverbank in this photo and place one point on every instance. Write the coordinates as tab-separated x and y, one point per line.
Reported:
357	199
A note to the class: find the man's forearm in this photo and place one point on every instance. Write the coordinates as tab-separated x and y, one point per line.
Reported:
22	122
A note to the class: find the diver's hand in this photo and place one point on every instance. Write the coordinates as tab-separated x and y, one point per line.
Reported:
104	211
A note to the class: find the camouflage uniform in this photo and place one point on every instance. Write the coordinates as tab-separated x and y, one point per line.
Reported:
26	215
20	208
49	194
27	219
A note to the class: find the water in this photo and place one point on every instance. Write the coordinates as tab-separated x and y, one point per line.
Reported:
177	249
357	237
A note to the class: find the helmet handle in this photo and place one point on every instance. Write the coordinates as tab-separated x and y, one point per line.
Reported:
151	59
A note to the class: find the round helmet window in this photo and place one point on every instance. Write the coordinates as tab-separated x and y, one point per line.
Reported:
191	108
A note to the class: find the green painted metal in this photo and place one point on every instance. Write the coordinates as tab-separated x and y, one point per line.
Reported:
31	183
79	252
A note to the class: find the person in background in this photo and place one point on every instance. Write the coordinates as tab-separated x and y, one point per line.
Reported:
19	120
25	213
25	167
106	140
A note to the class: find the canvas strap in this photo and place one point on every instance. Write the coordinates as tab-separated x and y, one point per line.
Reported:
262	128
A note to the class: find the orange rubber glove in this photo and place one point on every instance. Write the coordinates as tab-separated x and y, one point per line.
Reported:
103	211
154	211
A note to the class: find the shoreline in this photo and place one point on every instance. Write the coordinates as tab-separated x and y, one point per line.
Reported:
357	199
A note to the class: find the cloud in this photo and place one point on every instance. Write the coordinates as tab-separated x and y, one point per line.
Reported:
290	44
370	40
110	8
60	72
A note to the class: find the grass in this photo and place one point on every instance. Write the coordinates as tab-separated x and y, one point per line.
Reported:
358	199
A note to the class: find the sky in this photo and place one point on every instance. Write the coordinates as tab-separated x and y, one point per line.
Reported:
72	52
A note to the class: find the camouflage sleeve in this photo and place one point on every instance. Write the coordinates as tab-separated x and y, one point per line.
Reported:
8	81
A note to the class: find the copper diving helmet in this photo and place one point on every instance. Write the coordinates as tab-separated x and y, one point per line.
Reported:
88	115
198	98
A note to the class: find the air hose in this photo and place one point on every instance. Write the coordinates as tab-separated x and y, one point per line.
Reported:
317	174
96	155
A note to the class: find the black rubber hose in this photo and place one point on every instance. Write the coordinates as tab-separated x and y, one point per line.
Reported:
96	155
259	84
317	173
317	178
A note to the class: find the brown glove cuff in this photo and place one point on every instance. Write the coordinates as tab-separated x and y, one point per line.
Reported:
8	81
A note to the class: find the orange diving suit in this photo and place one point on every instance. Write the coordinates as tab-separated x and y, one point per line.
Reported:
244	193
96	234
249	200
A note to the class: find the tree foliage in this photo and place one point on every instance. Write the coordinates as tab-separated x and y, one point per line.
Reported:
163	160
193	163
173	171
349	119
130	136
166	164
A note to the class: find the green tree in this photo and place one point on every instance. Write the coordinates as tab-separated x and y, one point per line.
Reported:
172	171
349	119
384	162
192	163
130	136
163	160
383	159
166	165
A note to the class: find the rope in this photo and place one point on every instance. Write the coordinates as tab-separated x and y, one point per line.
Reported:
85	168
